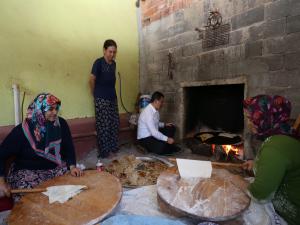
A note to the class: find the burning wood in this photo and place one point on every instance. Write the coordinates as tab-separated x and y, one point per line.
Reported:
221	145
227	149
228	152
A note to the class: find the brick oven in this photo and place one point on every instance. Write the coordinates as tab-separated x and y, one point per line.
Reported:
213	105
184	52
213	110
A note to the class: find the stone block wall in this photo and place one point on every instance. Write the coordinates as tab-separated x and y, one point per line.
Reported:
263	49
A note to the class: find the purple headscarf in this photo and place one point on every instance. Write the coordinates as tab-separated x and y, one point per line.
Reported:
269	115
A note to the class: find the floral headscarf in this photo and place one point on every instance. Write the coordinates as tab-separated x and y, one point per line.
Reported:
269	115
44	136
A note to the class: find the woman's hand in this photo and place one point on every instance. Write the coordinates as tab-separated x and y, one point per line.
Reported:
76	172
248	165
4	188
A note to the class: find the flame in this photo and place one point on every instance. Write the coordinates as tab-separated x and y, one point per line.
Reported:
228	148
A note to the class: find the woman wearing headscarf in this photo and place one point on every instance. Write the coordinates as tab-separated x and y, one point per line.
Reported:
277	165
42	146
102	84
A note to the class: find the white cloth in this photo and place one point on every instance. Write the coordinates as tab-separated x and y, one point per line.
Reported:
62	193
149	123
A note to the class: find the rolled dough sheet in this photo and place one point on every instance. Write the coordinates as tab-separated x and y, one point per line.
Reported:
63	193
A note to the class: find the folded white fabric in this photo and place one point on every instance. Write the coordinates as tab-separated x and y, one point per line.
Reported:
63	193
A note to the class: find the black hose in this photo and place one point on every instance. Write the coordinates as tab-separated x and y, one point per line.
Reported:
22	105
120	82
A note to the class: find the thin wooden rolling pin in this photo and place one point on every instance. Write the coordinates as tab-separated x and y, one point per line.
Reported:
216	163
226	164
33	190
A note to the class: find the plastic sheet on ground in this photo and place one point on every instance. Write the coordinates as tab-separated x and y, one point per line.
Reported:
139	220
143	201
207	223
262	214
4	216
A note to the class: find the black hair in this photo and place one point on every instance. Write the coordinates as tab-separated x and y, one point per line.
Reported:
156	96
108	43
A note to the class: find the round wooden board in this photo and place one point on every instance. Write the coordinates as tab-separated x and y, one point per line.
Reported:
218	198
88	207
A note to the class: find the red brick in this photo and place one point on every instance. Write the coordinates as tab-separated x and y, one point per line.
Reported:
157	9
143	6
185	3
150	12
156	16
177	5
158	2
165	12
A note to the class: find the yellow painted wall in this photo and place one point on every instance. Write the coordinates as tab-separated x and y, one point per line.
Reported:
50	45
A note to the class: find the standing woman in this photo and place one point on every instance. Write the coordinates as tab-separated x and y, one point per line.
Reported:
102	83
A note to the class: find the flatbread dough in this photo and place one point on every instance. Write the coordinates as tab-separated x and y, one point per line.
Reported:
205	136
218	198
63	193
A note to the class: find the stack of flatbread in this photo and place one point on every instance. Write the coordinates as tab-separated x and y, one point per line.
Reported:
136	172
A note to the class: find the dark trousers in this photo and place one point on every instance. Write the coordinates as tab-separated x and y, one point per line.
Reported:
107	126
157	146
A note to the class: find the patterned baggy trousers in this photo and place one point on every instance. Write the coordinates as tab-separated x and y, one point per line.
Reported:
107	126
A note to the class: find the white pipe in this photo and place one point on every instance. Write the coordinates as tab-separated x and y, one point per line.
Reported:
16	92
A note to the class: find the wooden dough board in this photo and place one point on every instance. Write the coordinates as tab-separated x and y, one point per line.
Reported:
88	207
221	199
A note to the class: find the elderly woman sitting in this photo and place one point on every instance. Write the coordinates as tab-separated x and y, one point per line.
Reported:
277	167
42	146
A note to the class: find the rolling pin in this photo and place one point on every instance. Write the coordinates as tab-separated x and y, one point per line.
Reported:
216	163
226	164
33	190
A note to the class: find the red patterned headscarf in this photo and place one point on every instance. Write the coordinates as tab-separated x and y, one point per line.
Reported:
269	115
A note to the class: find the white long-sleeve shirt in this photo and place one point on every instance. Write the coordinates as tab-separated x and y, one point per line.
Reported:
148	124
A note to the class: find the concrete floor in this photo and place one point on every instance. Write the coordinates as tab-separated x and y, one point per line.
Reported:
127	149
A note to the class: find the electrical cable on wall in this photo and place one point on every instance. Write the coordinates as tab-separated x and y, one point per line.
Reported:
120	83
22	105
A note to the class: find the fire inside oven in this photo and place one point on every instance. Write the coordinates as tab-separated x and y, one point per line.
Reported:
224	146
214	117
